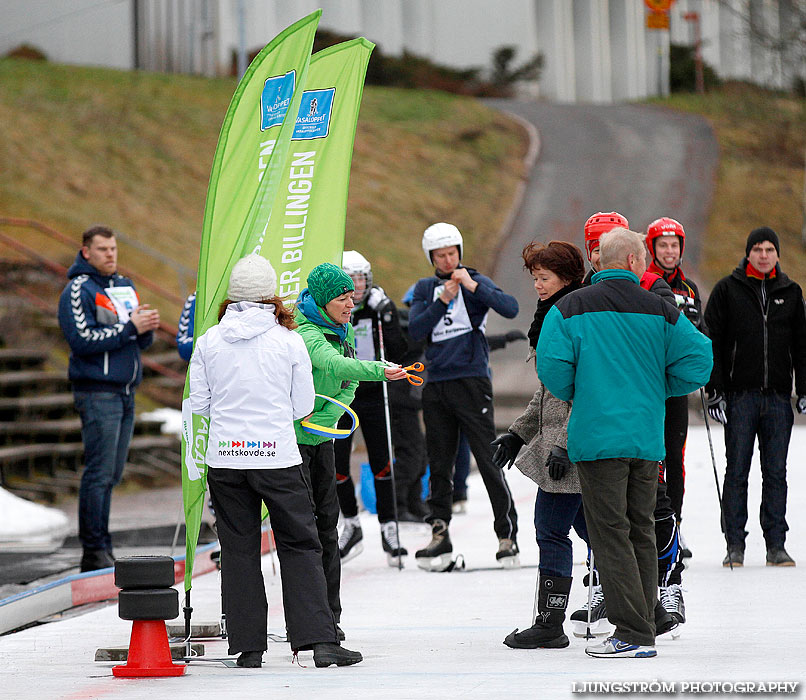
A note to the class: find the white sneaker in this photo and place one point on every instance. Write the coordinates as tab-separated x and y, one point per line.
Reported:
614	648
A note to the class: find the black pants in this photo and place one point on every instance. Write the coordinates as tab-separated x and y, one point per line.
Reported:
670	565
619	499
464	404
675	430
373	427
411	458
319	469
237	495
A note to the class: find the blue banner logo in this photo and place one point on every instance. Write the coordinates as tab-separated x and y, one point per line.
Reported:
275	99
313	121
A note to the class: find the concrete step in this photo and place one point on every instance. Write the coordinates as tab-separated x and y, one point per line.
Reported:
26	382
12	359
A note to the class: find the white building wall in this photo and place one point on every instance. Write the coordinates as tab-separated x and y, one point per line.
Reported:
734	41
628	70
555	40
594	50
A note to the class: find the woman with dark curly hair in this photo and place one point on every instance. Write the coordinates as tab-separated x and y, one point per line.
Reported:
557	270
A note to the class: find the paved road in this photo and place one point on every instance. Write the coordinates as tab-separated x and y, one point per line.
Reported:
640	160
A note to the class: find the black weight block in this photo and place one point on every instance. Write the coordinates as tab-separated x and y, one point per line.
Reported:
149	604
136	573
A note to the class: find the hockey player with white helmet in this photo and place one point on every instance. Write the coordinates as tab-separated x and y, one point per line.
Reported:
374	311
449	311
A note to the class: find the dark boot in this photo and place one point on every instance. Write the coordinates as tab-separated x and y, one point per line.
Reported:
95	559
547	631
250	659
328	653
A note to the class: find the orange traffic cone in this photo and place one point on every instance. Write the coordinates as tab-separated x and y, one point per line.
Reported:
149	653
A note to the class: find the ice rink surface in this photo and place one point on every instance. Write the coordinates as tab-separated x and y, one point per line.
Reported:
439	635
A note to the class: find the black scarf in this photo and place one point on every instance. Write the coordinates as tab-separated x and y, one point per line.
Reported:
543	307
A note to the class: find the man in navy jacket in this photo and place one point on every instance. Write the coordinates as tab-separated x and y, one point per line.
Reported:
106	327
449	311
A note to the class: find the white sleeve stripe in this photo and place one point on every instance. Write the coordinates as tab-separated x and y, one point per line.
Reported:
80	319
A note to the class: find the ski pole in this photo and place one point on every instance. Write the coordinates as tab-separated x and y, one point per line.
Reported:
389	443
537	593
588	634
716	476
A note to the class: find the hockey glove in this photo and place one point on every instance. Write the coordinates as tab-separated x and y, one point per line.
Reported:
801	404
692	313
558	462
717	407
514	335
507	447
377	300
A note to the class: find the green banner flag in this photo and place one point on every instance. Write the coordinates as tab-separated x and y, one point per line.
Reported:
247	167
309	213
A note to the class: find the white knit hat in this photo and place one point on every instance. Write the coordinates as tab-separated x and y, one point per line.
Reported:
252	279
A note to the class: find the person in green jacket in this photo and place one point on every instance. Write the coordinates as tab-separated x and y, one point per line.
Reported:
323	321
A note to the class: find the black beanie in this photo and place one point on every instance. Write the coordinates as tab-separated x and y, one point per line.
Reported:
759	235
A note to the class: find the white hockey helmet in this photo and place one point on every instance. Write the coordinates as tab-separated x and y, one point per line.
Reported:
358	267
441	235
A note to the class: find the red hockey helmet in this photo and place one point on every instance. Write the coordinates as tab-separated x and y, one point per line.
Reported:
602	222
665	226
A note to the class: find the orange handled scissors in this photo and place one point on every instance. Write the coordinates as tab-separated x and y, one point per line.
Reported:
414	379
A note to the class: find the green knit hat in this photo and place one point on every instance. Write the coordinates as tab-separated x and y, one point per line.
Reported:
326	282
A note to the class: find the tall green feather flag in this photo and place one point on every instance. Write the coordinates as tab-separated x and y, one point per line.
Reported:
249	158
279	190
309	213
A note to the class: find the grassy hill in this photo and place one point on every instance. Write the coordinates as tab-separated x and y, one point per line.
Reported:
133	150
762	140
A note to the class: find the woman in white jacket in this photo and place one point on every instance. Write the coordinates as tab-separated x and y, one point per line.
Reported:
251	375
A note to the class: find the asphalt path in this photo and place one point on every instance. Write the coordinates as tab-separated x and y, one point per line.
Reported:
641	160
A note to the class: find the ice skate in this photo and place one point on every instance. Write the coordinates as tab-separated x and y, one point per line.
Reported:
391	544
600	625
507	555
350	545
664	622
671	597
438	554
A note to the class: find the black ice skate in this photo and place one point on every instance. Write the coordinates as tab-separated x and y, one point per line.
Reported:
507	554
600	625
350	545
671	597
391	544
438	554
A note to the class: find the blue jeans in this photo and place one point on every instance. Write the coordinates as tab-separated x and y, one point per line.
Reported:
769	416
555	515
107	423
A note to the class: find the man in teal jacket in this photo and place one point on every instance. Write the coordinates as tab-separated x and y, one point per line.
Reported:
619	351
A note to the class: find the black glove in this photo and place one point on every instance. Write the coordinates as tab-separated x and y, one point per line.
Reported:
801	404
558	462
692	313
717	407
514	335
507	447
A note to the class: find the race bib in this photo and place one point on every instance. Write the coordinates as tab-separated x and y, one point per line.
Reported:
364	343
124	299
456	320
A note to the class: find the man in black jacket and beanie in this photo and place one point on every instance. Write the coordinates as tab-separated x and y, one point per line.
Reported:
756	320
